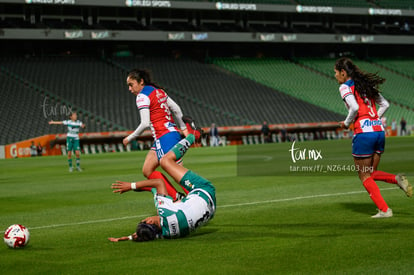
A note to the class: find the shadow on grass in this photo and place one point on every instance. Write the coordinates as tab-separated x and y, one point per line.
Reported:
363	208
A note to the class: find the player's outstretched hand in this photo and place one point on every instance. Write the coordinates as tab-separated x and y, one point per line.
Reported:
115	240
121	186
125	141
51	122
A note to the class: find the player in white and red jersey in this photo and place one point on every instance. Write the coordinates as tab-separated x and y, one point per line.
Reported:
156	110
359	90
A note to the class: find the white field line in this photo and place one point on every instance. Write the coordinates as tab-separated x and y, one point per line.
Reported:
221	206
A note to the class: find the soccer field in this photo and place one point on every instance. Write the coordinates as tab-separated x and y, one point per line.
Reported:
285	223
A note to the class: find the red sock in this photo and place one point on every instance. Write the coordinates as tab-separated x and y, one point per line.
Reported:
384	176
375	194
169	183
170	189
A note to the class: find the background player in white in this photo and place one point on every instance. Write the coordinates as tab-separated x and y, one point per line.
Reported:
72	138
177	219
359	90
156	110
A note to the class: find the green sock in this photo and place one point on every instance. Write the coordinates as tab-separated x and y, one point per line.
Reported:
70	163
182	146
77	162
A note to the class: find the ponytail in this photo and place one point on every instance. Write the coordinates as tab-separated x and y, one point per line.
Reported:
366	84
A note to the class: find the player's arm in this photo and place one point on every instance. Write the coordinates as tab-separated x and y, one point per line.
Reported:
145	123
178	114
383	105
351	103
52	122
131	237
83	125
123	186
143	105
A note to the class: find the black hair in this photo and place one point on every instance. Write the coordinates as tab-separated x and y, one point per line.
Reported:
144	74
147	232
366	84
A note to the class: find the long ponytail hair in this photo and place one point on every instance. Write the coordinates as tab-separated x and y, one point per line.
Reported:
366	84
144	74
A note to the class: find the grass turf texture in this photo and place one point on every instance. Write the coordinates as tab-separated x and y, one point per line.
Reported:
274	224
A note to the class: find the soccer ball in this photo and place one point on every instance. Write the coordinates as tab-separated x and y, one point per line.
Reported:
16	236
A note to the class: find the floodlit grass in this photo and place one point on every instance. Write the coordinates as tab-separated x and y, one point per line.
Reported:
284	223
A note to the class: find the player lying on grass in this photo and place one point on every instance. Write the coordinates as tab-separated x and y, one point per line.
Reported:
359	90
173	219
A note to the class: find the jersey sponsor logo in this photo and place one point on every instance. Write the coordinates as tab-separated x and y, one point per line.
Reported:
173	225
370	123
169	125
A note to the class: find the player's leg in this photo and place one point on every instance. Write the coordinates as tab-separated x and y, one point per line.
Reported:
70	161
381	175
172	192
150	164
69	148
364	172
399	179
76	145
162	146
363	149
168	162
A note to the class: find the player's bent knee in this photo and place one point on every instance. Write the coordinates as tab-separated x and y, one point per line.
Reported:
165	162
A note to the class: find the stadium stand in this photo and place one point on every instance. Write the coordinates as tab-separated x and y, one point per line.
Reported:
229	92
397	109
401	66
312	80
397	88
289	78
229	96
25	111
97	90
45	105
82	81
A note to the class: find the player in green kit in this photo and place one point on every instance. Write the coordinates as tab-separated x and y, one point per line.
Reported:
174	219
72	138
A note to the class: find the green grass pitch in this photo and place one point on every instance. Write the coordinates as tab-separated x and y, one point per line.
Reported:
287	223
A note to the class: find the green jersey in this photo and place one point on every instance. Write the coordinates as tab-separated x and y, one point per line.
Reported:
73	128
196	209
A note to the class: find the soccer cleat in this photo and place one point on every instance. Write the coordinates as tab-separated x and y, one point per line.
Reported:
382	214
404	185
192	128
79	169
70	169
